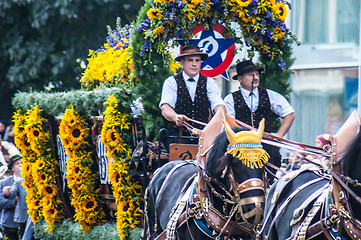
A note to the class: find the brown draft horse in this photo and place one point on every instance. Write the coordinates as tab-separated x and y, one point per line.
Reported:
225	200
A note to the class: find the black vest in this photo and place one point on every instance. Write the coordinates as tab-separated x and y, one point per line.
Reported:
243	113
200	108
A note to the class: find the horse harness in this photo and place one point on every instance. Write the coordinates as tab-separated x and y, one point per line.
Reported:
195	204
330	200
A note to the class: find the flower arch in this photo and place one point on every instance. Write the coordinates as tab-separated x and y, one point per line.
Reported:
261	29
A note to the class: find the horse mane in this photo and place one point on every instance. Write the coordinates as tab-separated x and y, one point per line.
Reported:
217	161
351	166
352	158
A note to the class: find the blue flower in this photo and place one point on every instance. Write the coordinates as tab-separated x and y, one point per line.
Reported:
126	45
144	25
180	33
180	3
172	4
268	15
282	65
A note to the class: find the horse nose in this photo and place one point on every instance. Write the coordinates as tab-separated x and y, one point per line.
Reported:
253	213
252	209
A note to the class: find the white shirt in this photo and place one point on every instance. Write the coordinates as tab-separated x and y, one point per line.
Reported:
170	90
279	104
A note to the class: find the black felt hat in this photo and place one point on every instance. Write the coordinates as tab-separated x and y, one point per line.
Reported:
246	66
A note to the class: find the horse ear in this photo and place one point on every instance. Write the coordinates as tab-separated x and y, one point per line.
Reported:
261	129
230	134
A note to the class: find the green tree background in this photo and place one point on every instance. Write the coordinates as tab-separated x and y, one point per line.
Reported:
43	42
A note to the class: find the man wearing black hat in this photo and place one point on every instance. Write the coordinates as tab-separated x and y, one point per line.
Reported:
251	103
189	94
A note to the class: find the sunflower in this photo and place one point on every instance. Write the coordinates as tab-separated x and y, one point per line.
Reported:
158	31
89	205
22	143
40	176
154	13
49	191
71	120
282	11
40	163
278	33
25	169
244	3
63	130
112	137
33	132
76	132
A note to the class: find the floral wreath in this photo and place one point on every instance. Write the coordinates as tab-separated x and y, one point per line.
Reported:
262	29
261	23
74	135
38	167
125	190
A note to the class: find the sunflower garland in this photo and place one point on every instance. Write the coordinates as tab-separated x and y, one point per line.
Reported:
74	135
21	140
39	163
125	190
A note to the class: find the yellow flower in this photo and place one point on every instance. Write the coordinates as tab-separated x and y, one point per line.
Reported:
159	30
33	132
282	11
244	3
49	191
21	141
112	137
154	13
196	2
277	34
89	205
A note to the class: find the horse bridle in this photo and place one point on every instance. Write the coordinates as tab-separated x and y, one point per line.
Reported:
246	186
237	202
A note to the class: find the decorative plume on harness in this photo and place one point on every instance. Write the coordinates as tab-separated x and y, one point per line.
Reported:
246	146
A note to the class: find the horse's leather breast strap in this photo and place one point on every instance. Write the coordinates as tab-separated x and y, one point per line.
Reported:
299	231
178	216
289	198
174	168
279	188
179	207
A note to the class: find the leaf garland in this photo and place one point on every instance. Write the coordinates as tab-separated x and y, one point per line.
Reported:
87	103
38	169
74	135
126	191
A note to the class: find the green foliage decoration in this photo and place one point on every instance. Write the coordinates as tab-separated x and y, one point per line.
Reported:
87	103
151	71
